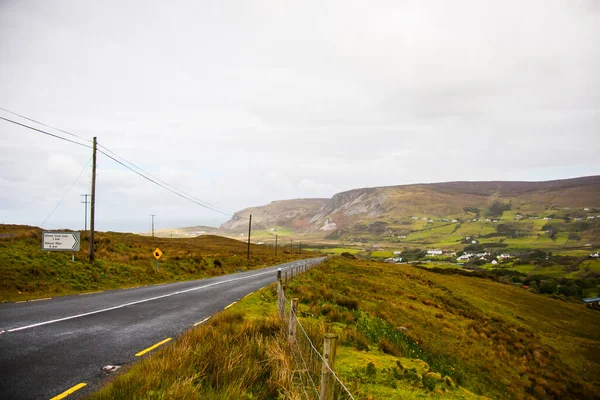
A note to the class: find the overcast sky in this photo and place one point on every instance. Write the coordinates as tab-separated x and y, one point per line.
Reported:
244	102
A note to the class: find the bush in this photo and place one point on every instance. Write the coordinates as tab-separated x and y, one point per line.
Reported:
348	255
350	304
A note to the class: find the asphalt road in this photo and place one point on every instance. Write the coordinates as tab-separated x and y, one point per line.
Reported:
49	346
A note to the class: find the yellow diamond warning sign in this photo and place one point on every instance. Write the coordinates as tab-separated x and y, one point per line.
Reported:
157	253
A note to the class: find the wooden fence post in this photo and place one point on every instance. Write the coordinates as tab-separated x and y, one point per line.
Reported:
292	324
329	349
280	294
285	281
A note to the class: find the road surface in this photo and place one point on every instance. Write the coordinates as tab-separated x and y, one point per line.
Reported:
48	347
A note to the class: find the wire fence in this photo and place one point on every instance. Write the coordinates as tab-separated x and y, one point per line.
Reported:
313	354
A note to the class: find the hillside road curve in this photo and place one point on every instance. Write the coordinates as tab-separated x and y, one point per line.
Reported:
53	346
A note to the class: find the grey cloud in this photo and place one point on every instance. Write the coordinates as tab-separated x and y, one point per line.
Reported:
241	103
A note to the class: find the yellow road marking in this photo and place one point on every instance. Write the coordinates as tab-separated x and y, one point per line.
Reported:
141	353
85	294
204	320
69	391
230	305
248	294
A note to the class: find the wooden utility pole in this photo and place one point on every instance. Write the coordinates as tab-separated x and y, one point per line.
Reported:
291	246
86	202
93	201
300	247
275	245
249	231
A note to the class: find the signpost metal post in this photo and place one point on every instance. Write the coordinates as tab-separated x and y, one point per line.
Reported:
157	253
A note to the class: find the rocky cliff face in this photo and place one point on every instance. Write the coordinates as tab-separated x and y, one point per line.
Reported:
290	214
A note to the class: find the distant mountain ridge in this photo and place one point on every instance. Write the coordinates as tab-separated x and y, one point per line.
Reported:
367	205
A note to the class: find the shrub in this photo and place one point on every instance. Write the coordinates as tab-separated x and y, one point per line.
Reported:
350	304
387	347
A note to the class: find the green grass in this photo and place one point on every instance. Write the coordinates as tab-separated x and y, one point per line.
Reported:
384	254
337	250
493	339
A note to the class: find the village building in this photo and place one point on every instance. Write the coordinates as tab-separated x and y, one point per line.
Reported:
592	302
434	252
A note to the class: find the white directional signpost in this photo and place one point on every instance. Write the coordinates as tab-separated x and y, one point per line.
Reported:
61	241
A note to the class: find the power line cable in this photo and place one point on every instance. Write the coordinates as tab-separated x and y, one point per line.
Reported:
45	133
205	203
132	167
161	185
65	195
43	124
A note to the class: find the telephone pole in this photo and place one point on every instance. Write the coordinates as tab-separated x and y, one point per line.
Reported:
291	246
249	231
275	245
300	247
93	202
153	215
86	202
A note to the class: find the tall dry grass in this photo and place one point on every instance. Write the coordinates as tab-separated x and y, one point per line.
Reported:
230	357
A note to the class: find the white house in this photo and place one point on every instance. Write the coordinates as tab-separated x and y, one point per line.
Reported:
595	255
586	209
430	221
434	252
494	262
502	256
397	252
464	257
454	220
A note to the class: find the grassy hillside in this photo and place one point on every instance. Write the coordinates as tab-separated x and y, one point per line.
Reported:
122	260
384	213
404	333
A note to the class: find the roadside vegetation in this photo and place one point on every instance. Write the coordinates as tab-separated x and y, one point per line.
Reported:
404	333
122	260
240	353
